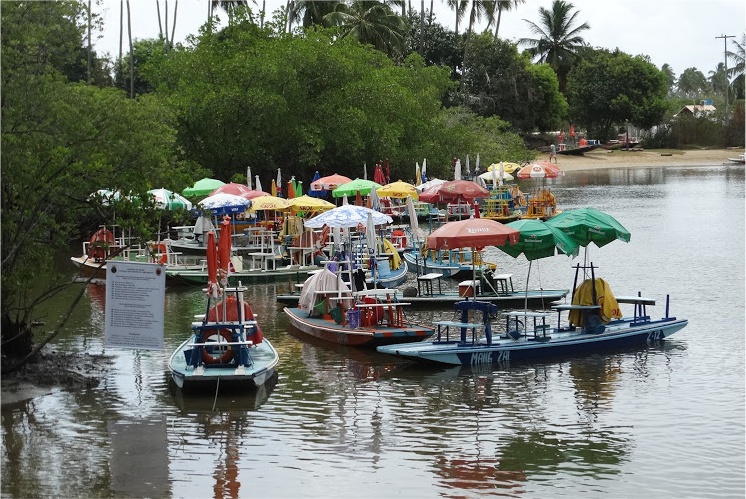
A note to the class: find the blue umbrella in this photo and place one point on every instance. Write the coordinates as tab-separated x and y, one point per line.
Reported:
311	192
225	204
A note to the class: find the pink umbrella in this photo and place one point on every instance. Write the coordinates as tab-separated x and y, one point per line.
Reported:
472	233
251	194
431	194
329	183
232	188
542	169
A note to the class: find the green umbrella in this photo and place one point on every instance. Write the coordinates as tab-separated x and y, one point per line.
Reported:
202	187
536	240
352	188
589	225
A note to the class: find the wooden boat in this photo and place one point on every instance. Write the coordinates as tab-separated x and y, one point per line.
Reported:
329	310
528	336
740	160
542	204
505	204
226	347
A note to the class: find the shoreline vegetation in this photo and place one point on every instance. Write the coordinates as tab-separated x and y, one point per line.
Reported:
652	158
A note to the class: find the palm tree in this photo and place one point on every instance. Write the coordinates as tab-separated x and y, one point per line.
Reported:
229	6
736	72
313	11
558	39
479	9
505	5
132	53
670	76
459	7
371	22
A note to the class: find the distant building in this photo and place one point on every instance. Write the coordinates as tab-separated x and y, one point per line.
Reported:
697	110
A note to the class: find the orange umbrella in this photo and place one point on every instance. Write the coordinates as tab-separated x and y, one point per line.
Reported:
212	265
224	249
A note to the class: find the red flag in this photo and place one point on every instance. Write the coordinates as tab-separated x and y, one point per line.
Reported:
572	131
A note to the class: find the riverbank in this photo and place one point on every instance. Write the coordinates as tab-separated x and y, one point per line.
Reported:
620	158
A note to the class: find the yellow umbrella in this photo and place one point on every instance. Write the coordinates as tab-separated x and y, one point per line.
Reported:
398	189
270	203
507	167
309	203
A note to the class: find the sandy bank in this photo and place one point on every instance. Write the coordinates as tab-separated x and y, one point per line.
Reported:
601	158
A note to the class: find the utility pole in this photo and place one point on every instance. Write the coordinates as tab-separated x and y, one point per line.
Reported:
727	82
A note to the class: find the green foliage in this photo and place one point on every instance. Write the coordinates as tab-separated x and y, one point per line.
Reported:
607	88
500	82
246	97
692	83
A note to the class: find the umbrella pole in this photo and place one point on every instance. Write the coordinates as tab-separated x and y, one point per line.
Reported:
525	302
473	276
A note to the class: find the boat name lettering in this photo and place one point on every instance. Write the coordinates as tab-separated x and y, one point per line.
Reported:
655	335
481	358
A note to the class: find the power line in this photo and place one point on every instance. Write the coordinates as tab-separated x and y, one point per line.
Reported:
727	82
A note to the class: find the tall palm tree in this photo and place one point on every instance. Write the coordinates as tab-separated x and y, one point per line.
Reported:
229	6
505	5
558	39
736	71
371	22
459	7
478	10
312	12
132	53
670	76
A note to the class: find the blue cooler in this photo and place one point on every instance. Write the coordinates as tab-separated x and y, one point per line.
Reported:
353	318
384	268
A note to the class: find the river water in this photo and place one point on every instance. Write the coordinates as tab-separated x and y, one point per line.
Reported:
663	421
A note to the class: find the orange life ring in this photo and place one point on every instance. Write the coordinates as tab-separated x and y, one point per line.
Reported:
160	249
231	314
225	355
100	244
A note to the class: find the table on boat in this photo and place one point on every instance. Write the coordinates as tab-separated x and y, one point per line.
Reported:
535	316
427	280
463	327
640	303
395	315
585	311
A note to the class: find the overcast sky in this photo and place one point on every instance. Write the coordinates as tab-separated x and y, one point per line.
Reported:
681	33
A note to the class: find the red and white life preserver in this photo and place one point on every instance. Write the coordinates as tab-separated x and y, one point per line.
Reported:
160	253
231	314
100	244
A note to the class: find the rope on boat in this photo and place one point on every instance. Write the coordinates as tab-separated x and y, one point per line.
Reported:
215	400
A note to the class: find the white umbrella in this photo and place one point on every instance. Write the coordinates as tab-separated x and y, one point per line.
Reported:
468	169
258	184
279	180
365	170
430	183
424	168
414	225
375	201
457	170
223	203
476	167
248	177
502	173
493	176
349	215
168	200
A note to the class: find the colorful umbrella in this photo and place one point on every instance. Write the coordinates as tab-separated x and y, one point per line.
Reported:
202	187
232	188
320	193
461	190
168	200
398	189
378	176
254	194
507	167
330	182
269	203
358	185
487	176
589	225
347	215
221	204
308	203
540	170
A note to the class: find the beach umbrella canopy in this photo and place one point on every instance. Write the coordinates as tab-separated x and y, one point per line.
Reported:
472	233
457	170
330	182
348	215
308	203
202	187
487	176
270	203
589	225
358	185
539	239
430	183
254	194
248	177
232	188
507	167
320	193
540	170
431	194
398	189
168	200
461	190
221	204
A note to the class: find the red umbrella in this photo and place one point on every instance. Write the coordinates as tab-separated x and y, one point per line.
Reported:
329	183
472	233
232	188
291	189
378	176
224	249
540	169
212	265
431	194
461	190
560	137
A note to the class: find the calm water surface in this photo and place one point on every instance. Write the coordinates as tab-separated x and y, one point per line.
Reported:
663	421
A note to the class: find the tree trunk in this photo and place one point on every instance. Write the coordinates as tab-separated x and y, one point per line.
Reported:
173	25
499	15
422	28
132	54
121	34
90	53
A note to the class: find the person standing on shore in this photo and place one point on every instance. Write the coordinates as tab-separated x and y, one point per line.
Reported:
552	153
